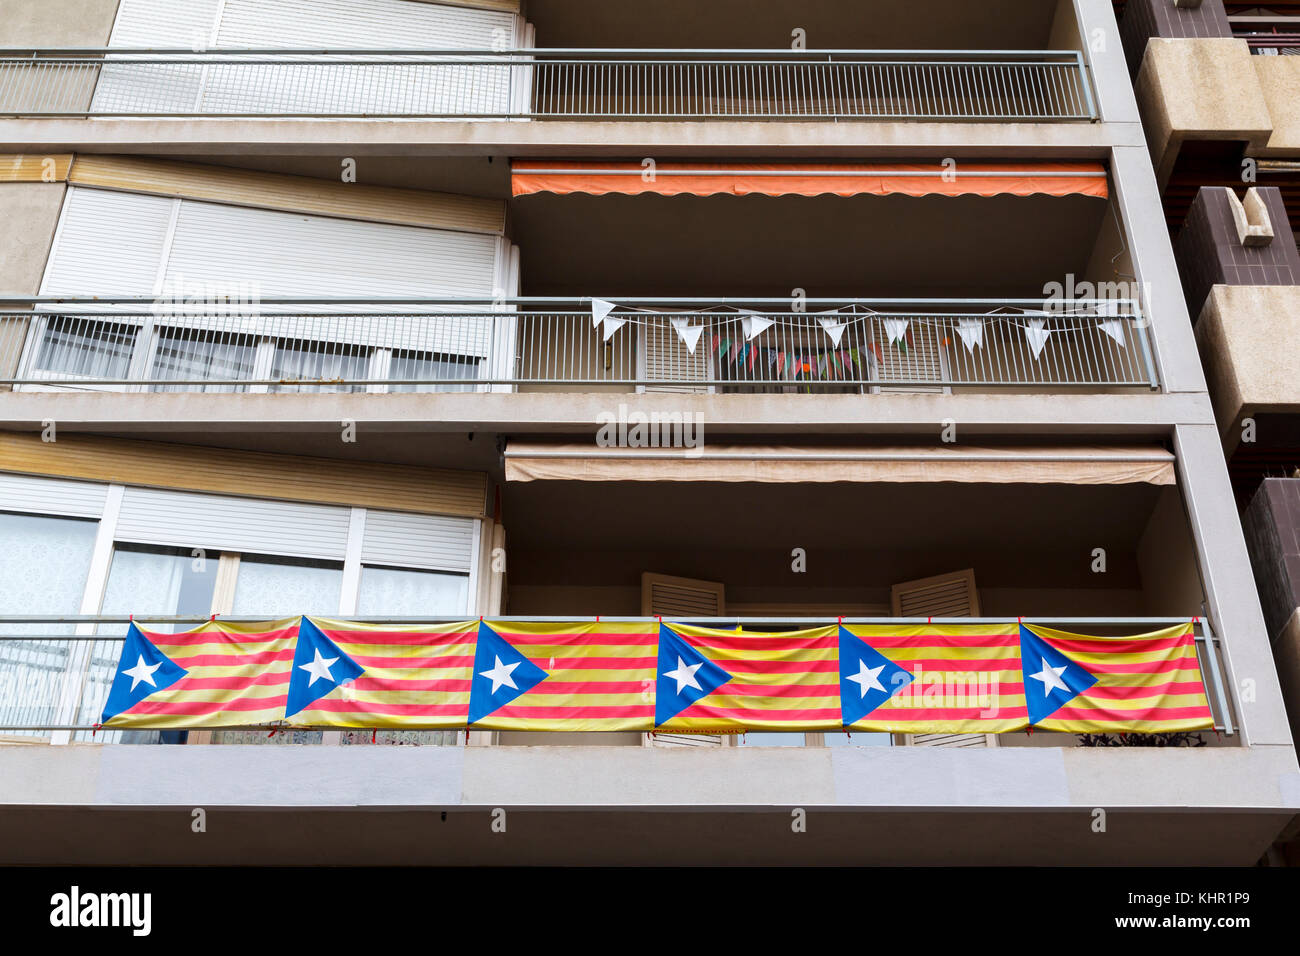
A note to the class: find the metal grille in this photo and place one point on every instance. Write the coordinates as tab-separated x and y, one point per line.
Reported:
435	345
570	84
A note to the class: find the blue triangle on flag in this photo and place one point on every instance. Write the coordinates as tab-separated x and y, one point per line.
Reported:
319	665
684	676
501	673
867	678
141	670
1052	680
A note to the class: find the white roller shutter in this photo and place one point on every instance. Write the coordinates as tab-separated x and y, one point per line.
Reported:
286	254
346	24
429	542
918	358
220	522
52	496
108	244
663	356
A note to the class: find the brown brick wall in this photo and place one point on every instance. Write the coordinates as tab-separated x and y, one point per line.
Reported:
1210	253
1143	19
1272	527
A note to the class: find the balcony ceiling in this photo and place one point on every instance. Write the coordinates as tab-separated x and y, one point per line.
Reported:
891	246
830	24
555	516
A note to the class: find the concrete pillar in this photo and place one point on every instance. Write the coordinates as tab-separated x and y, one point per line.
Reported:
1153	263
1104	52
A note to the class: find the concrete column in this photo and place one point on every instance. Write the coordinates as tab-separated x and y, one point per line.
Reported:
1104	52
1230	587
1139	204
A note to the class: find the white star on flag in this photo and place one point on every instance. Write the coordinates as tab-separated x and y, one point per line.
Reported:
142	672
689	334
868	678
1051	677
685	675
319	668
500	674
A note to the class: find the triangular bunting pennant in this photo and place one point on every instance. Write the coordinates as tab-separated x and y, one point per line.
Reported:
755	325
612	325
684	676
1115	329
895	330
1037	335
1052	680
867	678
971	332
142	669
599	309
689	334
319	666
834	329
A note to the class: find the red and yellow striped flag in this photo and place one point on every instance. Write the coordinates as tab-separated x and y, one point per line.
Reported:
1146	684
238	675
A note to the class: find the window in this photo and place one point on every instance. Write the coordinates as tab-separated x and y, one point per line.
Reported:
406	365
393	591
142	581
43	564
214	357
316	361
78	347
283	587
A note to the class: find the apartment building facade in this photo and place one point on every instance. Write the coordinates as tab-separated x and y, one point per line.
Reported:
333	308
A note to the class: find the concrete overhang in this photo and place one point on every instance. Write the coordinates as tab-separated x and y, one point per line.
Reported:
1242	331
81	804
214	138
1200	89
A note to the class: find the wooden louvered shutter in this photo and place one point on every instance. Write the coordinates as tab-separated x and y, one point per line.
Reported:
919	359
663	356
673	597
945	595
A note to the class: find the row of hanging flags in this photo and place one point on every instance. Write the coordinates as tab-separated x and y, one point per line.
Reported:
657	676
737	348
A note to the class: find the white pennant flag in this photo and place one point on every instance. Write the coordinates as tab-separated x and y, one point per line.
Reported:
689	334
1115	329
972	333
612	325
599	309
834	329
755	325
1037	335
895	329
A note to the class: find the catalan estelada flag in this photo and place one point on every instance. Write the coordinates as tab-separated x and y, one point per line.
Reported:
747	680
594	677
215	675
413	676
963	679
1147	683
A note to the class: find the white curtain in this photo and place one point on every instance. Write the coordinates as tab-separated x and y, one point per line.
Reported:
214	358
43	566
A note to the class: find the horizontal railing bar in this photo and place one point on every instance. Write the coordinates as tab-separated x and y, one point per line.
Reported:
1018	56
179	300
955	173
562	618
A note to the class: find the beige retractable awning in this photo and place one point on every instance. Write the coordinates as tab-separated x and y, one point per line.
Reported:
1065	465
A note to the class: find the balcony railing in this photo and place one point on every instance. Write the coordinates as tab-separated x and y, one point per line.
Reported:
550	84
55	671
732	345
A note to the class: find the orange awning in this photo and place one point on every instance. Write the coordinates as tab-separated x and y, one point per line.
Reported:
683	178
